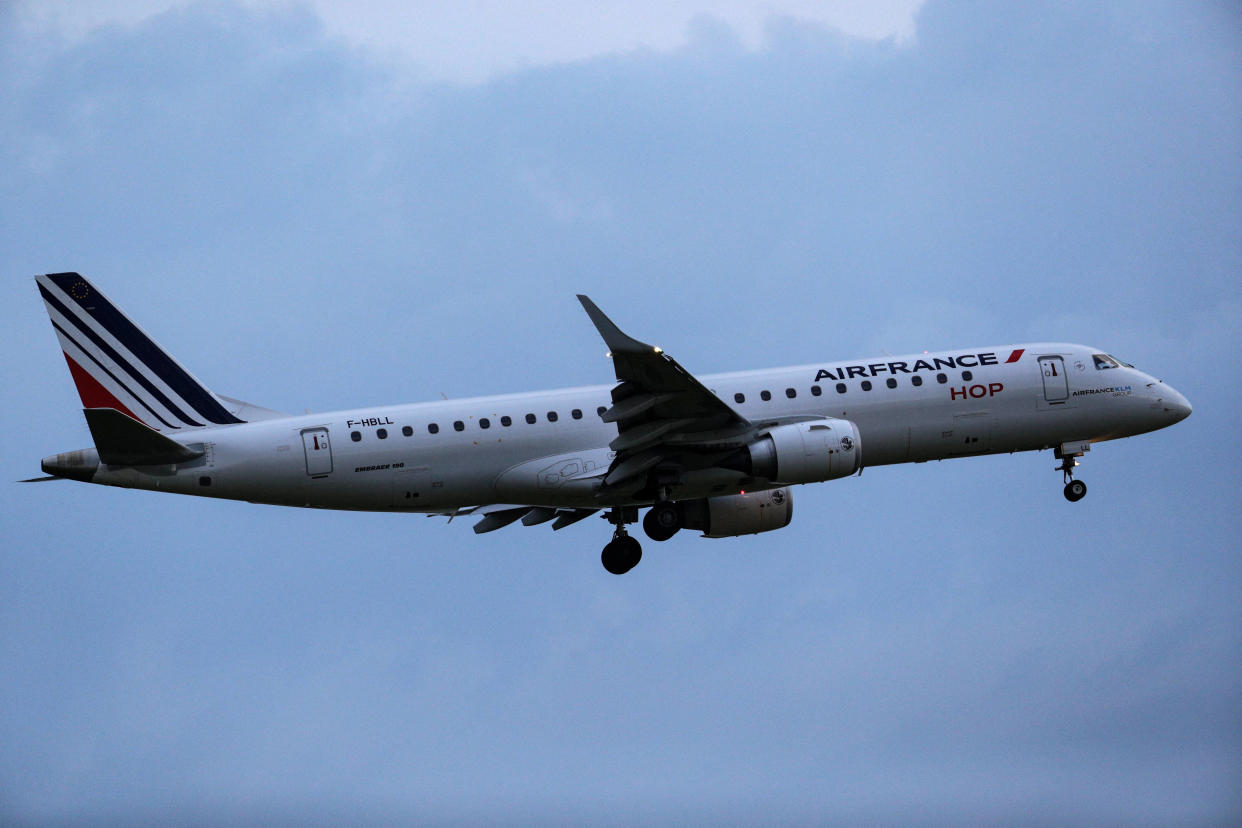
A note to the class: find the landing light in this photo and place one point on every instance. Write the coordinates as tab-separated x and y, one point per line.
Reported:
658	350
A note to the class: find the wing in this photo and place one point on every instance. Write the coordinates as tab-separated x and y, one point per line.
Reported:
668	423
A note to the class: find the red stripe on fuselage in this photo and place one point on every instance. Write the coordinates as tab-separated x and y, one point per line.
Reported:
92	393
1016	355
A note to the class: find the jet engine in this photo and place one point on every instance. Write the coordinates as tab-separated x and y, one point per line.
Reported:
740	514
807	452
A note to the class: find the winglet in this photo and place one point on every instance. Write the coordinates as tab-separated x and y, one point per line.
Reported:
616	340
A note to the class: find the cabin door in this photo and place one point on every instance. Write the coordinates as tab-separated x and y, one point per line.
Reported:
1056	385
318	452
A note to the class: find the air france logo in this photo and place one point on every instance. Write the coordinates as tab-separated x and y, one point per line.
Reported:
931	363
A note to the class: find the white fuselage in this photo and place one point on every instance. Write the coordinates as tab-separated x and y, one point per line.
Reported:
441	456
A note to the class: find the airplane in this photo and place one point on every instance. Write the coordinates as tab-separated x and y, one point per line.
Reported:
717	454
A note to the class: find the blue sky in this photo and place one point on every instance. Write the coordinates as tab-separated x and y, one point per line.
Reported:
314	213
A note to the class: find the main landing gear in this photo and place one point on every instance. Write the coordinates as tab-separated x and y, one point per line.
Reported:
622	553
1075	490
663	520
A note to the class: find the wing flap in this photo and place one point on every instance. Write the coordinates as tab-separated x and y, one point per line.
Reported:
633	466
567	518
538	515
500	519
635	405
648	433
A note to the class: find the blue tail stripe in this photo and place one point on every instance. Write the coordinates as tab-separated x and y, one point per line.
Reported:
111	375
115	357
150	354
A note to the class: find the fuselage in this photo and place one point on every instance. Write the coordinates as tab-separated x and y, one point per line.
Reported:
549	448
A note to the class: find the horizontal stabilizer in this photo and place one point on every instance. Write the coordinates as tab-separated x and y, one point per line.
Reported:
123	441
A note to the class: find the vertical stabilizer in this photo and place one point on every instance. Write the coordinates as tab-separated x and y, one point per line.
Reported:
116	365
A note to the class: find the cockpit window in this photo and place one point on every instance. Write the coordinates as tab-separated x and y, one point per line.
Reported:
1104	362
1120	361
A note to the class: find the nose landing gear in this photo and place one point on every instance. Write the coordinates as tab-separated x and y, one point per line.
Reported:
1068	454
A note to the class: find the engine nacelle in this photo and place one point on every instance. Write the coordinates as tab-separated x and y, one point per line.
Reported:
802	453
740	514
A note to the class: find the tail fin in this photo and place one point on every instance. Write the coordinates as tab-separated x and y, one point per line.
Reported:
116	365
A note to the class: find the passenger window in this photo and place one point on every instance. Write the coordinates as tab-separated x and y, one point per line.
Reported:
458	425
506	421
530	418
576	413
484	422
789	392
967	376
407	431
941	378
841	388
739	398
891	382
765	395
381	433
551	416
866	385
432	428
355	435
816	390
916	380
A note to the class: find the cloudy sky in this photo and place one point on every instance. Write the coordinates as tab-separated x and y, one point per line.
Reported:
317	208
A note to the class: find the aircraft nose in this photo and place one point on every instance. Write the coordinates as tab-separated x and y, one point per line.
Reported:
1176	405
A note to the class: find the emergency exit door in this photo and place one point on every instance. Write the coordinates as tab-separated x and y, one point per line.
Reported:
1056	385
318	452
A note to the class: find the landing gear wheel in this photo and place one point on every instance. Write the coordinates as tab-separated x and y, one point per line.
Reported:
662	521
621	555
1075	490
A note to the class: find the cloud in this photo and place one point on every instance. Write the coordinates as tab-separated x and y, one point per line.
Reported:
471	42
306	224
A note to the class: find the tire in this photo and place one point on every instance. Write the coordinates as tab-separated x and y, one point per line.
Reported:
621	555
662	521
1075	490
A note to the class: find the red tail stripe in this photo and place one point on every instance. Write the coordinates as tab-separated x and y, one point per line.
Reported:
92	393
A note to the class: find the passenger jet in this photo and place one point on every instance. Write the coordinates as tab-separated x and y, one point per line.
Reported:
717	453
